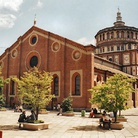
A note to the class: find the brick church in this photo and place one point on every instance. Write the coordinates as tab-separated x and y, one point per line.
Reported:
75	67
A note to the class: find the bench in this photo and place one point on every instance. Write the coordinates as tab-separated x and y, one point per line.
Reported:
34	126
117	126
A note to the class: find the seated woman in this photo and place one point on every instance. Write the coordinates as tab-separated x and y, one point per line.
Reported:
91	114
32	117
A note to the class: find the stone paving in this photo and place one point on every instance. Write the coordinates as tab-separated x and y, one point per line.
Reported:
68	127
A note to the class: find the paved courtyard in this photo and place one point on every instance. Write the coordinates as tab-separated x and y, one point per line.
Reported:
68	127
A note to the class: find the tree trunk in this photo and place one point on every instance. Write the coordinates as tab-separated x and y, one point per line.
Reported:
119	112
115	115
37	111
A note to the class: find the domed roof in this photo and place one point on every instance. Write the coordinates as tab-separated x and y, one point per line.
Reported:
118	25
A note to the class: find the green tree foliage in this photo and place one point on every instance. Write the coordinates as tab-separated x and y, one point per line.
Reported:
113	94
67	104
34	88
2	83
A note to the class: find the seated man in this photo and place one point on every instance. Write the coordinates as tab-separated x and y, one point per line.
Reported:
22	118
106	120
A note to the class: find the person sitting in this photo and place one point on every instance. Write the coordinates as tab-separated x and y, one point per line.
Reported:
91	114
95	111
104	112
20	108
106	120
22	118
16	109
32	117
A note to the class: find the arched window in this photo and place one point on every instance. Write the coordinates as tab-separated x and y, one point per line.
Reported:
100	37
77	85
76	81
107	35
136	35
103	37
112	34
128	36
112	48
33	61
117	34
118	48
122	47
122	34
129	46
56	86
100	49
12	87
132	35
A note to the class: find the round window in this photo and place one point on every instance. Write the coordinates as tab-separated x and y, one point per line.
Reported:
33	61
34	40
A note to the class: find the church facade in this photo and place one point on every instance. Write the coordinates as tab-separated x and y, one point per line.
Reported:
75	67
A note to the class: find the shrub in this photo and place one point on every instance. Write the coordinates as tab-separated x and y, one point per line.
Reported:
35	121
67	104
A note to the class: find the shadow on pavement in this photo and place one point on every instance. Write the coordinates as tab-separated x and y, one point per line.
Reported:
88	128
9	127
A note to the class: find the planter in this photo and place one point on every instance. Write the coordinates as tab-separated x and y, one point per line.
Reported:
68	114
32	126
117	126
98	115
120	119
3	109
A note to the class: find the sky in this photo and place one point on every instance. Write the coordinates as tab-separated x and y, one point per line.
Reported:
77	20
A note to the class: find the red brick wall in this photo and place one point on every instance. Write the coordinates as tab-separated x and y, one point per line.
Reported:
59	60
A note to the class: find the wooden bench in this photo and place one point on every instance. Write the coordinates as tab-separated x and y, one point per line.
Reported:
33	126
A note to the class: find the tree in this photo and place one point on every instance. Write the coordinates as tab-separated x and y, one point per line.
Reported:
2	83
113	94
34	89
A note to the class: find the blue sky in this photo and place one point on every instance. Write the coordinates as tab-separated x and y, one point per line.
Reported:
78	20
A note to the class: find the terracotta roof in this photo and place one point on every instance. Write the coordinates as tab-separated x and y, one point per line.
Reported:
112	70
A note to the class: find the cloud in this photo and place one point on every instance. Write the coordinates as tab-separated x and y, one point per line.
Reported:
86	41
13	5
7	20
39	4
